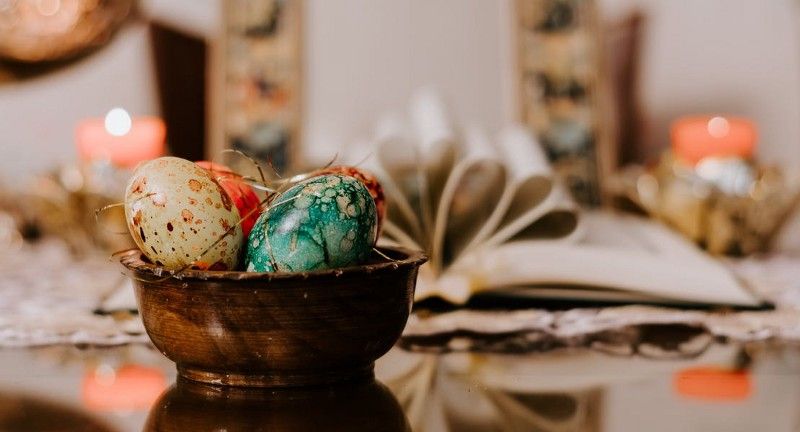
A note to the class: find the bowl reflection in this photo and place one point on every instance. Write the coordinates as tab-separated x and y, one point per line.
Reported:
193	406
27	413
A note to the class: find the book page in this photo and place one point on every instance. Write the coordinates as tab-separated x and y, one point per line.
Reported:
618	252
437	149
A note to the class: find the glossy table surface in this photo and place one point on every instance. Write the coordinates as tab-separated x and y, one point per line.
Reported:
716	388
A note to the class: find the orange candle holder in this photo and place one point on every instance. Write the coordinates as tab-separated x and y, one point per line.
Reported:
699	137
120	139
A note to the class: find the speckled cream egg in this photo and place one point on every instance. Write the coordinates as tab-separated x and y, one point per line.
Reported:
176	211
368	179
324	222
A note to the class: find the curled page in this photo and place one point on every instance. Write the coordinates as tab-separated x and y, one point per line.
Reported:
470	196
531	194
437	150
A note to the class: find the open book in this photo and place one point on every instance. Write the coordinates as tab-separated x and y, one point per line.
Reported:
493	218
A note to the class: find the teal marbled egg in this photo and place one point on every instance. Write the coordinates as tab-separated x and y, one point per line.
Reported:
324	222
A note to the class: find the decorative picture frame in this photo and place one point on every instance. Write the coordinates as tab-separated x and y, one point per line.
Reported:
562	91
256	90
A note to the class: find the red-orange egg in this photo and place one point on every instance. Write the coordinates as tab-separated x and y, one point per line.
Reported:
242	195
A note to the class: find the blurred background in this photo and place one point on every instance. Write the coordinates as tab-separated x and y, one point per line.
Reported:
686	111
295	82
360	58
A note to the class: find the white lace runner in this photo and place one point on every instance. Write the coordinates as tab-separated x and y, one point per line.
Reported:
48	297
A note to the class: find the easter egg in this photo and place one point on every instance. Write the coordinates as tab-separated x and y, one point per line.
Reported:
176	212
324	222
369	180
242	195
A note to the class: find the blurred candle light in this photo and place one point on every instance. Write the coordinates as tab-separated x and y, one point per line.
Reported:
713	383
118	122
130	388
700	137
120	139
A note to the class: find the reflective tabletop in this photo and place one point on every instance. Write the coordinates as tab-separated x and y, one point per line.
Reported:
721	387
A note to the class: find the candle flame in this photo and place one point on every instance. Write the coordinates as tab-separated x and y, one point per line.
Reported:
118	122
718	127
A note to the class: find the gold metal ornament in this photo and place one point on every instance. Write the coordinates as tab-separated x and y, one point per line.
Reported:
727	206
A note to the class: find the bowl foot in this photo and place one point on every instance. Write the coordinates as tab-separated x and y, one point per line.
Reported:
278	378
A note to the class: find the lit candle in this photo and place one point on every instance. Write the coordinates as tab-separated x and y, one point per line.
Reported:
697	138
120	139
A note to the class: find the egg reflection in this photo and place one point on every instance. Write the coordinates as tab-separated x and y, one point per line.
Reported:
189	406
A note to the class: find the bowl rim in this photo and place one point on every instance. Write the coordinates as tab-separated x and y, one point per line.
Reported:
136	267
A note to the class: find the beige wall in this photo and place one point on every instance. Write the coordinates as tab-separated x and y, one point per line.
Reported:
365	57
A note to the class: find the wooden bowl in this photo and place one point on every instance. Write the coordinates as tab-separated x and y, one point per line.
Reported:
276	329
191	406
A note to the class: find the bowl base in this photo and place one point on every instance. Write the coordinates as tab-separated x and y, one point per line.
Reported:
278	379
